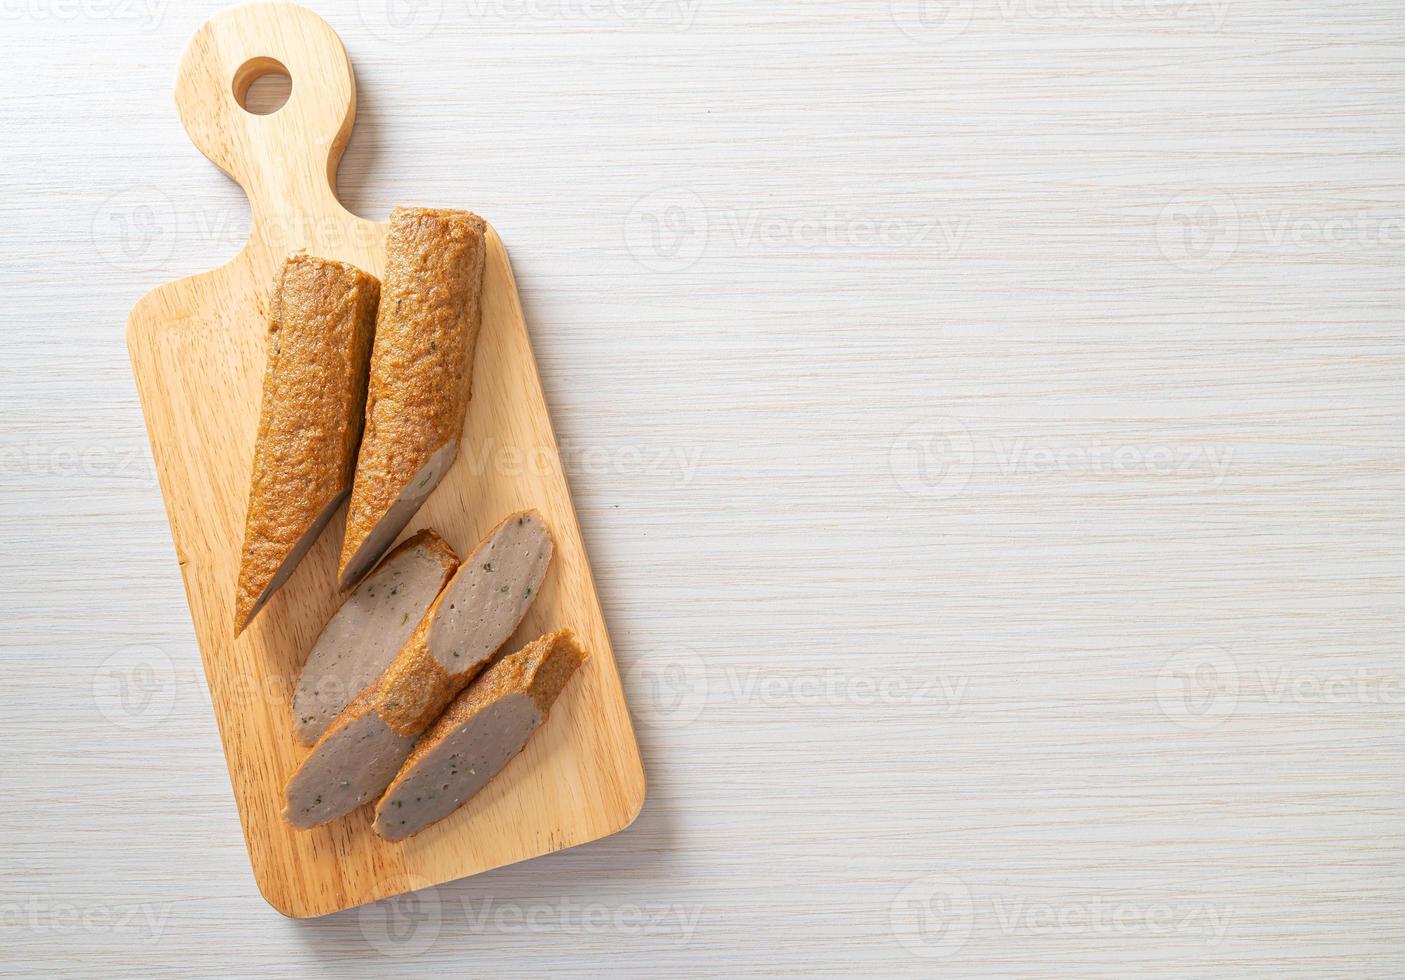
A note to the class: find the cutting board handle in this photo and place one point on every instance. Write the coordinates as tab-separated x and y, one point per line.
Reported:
286	161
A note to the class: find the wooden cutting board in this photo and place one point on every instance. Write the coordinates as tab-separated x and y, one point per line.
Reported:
197	349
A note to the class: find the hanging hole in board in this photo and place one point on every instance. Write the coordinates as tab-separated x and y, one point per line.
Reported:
262	86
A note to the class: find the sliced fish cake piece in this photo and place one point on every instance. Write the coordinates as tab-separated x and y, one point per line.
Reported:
482	605
474	615
479	734
349	766
362	638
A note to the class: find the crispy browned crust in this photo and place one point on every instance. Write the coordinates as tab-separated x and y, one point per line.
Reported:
434	545
422	365
415	688
539	670
321	322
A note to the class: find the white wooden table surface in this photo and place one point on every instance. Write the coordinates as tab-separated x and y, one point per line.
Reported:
986	422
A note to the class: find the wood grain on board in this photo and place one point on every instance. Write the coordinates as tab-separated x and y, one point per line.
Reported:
198	349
